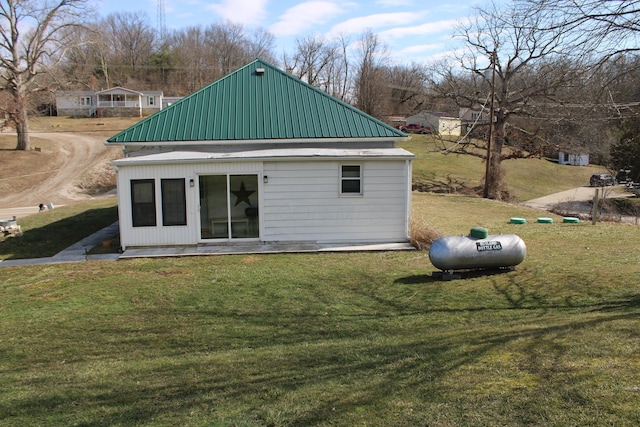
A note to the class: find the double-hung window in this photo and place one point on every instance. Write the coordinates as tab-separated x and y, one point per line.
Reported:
143	202
350	179
174	202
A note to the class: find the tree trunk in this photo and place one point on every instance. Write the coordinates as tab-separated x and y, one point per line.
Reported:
22	129
494	176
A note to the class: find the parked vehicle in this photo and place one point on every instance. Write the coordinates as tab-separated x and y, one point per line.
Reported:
601	180
623	176
416	128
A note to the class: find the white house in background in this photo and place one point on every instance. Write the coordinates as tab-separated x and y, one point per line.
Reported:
574	159
114	102
437	122
260	156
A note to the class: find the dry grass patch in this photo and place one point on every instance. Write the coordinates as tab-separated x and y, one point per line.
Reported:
422	235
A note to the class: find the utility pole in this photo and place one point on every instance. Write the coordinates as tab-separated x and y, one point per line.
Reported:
487	174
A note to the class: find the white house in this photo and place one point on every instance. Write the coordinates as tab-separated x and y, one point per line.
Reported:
260	156
437	122
574	159
114	102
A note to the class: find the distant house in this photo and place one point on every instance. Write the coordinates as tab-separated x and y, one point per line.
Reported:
114	102
436	122
574	159
260	156
471	117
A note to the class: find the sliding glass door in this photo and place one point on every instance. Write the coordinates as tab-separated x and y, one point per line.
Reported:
229	206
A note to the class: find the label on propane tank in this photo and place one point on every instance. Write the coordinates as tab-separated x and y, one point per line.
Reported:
488	246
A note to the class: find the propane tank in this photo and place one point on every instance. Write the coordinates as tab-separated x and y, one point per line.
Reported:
476	251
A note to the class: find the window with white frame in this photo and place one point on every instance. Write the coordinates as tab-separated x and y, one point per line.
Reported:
351	179
85	101
151	100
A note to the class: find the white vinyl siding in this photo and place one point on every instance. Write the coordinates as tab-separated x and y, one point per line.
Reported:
302	203
160	235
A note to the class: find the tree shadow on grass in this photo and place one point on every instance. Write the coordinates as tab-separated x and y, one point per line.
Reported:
49	239
344	375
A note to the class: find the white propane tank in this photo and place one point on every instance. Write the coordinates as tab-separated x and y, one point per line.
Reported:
477	251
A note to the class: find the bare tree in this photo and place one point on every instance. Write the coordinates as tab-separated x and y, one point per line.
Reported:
188	49
26	55
597	27
407	84
312	55
131	43
337	76
504	66
370	86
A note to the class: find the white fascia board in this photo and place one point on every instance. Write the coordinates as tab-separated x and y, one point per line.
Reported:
181	157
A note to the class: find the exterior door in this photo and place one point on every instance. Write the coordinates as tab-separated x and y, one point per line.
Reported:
229	207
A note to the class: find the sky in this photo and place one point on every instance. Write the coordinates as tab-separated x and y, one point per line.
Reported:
413	30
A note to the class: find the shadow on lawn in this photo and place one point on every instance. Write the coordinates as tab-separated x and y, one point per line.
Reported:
49	239
344	374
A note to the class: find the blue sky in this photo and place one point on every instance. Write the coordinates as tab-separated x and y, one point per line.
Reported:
413	30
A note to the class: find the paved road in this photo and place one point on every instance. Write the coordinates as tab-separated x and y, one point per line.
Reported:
580	194
578	201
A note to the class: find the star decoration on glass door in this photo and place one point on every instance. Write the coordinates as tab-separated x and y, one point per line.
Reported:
242	195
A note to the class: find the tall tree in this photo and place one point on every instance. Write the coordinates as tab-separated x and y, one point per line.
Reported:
370	85
602	28
33	38
504	64
131	44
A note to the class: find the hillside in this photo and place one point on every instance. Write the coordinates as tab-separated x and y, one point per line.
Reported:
464	174
70	162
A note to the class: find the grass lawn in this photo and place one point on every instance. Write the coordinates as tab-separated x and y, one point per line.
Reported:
48	232
107	126
357	339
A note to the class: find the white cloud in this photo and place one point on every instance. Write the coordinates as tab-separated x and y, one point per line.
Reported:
420	30
246	12
305	15
359	24
421	48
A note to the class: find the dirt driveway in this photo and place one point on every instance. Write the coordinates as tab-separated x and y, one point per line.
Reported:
73	161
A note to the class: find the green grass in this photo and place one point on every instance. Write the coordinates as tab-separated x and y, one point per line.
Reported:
48	232
332	339
525	179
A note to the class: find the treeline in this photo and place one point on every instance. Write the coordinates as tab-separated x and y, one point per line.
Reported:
123	49
555	75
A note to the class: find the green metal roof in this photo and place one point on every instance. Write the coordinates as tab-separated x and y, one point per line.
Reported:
252	105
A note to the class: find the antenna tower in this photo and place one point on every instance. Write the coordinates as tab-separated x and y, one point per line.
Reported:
161	22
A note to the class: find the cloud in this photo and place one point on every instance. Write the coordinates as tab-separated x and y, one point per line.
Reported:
359	24
420	30
246	12
304	16
421	48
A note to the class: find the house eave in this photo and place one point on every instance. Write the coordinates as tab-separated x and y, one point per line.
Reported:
178	144
283	155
